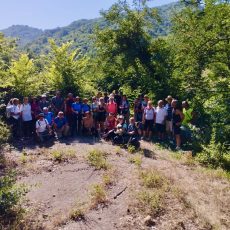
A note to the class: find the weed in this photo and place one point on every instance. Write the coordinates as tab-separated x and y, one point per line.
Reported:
137	160
97	159
77	214
152	179
118	150
57	156
98	195
70	153
131	149
149	202
218	173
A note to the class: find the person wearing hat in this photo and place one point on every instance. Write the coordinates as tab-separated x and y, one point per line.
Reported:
42	127
43	103
15	112
168	122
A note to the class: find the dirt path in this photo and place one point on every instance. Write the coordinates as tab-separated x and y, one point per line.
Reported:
194	200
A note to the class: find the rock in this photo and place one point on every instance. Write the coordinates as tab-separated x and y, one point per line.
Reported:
148	221
54	195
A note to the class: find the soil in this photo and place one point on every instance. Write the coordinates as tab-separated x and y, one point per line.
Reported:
195	200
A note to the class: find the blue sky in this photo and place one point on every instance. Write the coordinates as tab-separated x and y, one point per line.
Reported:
48	14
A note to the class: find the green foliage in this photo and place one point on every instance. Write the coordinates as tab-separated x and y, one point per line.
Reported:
97	159
152	179
137	160
127	50
98	195
10	194
4	134
149	201
214	155
65	68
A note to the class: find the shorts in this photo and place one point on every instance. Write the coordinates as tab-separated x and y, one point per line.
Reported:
160	128
168	126
176	130
101	117
148	125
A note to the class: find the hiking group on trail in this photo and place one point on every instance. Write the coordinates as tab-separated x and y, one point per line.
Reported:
107	116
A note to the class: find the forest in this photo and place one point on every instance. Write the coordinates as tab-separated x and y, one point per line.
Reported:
189	60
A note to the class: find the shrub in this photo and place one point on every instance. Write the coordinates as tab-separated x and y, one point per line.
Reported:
214	155
77	214
152	179
57	156
98	195
149	201
4	133
10	194
137	160
97	159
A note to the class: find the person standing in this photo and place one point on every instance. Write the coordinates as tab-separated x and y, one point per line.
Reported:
101	114
177	118
68	111
43	103
111	106
124	108
160	117
14	117
148	120
57	103
35	112
168	122
117	100
77	116
26	117
94	109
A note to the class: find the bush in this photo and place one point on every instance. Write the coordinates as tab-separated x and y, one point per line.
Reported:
10	195
4	133
215	154
97	159
98	195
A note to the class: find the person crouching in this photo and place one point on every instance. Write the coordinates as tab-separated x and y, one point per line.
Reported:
42	128
87	123
61	127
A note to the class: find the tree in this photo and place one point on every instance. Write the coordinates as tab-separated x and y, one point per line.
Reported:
124	48
201	49
65	68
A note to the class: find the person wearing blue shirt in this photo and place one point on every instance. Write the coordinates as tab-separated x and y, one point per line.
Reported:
61	126
77	116
49	116
85	106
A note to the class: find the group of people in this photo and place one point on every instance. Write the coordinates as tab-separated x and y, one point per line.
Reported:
106	115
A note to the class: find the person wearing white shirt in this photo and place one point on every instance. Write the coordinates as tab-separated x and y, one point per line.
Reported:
160	118
26	117
42	127
14	117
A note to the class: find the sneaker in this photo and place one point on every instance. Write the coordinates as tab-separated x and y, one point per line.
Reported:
178	148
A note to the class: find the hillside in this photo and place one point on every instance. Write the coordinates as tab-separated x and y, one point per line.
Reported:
24	34
80	31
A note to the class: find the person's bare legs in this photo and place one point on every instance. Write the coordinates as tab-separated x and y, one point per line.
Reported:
178	140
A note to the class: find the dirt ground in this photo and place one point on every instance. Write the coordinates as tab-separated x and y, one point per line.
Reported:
194	200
